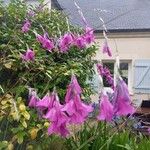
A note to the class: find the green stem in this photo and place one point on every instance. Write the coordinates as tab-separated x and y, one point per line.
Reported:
85	143
6	130
46	87
113	134
105	131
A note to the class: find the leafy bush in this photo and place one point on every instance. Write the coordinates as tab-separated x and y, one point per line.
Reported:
48	70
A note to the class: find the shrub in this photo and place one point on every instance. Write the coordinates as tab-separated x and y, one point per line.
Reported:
48	70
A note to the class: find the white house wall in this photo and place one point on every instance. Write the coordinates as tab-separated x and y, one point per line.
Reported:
130	47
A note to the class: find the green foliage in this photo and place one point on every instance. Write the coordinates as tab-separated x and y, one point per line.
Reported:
20	125
100	136
49	70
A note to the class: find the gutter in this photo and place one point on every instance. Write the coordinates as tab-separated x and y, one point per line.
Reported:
124	33
123	30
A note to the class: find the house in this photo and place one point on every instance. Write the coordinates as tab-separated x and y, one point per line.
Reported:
33	2
128	25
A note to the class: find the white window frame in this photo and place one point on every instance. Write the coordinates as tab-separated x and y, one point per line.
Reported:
130	72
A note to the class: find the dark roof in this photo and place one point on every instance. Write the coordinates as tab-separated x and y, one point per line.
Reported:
55	4
118	15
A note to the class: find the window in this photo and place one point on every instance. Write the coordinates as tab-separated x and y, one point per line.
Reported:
110	66
32	2
124	68
124	71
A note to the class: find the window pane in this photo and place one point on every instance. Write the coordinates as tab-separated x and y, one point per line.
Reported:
110	66
124	71
124	66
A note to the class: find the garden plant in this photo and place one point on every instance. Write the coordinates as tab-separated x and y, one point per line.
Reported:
45	68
